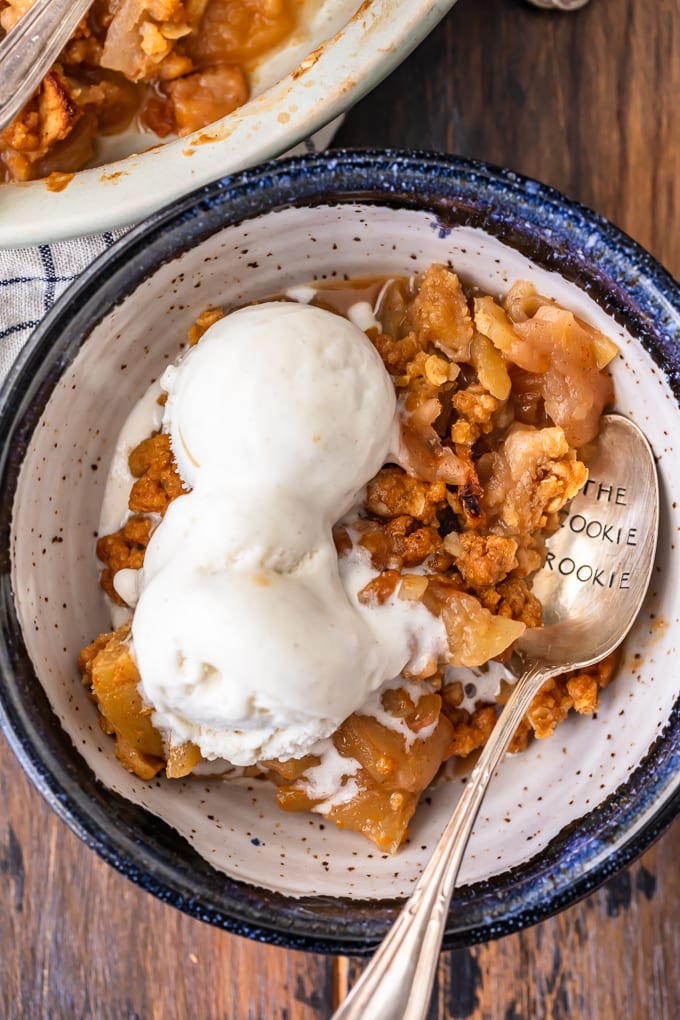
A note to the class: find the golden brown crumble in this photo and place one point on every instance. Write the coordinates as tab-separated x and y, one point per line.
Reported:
517	602
123	549
158	481
393	493
483	561
205	320
441	315
471	730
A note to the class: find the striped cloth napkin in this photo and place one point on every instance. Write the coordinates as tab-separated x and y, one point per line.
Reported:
31	279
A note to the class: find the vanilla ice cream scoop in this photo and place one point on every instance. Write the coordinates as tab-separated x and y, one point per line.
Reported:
285	396
249	640
254	664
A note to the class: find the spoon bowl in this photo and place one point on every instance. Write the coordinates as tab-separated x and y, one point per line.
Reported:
599	562
592	585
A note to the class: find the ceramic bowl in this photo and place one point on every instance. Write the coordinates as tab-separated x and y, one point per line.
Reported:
559	818
340	50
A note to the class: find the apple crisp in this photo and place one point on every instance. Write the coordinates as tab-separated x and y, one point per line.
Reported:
496	398
177	65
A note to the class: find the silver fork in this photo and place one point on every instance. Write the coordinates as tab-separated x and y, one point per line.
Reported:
28	51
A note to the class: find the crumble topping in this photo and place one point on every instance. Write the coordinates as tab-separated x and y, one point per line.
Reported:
495	398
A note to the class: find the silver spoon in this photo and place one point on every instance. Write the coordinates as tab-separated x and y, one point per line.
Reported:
592	587
30	49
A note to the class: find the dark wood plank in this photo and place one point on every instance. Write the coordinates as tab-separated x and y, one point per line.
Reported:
615	954
588	103
78	941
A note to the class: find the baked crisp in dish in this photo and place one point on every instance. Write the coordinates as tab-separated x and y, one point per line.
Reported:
494	401
177	65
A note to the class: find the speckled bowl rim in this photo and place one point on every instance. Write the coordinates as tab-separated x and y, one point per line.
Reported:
558	234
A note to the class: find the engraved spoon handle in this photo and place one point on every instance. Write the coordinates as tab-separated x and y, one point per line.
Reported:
31	47
397	983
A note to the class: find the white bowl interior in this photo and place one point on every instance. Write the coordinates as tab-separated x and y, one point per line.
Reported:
237	826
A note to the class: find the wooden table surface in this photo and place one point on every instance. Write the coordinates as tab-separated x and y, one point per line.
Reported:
589	103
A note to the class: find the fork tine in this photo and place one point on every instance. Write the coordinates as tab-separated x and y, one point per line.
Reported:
30	48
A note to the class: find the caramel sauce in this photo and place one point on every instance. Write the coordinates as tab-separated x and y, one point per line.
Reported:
388	296
339	296
57	181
